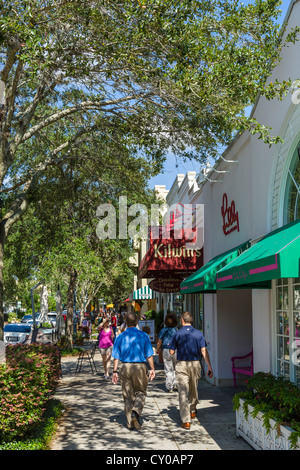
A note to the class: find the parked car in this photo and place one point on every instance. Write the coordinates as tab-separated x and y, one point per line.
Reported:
52	317
30	322
26	318
76	315
16	333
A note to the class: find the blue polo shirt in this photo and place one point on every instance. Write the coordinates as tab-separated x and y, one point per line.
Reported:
132	345
188	343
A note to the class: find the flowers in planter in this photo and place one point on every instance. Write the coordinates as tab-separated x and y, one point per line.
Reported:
276	397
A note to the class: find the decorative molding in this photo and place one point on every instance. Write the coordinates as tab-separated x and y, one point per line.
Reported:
282	161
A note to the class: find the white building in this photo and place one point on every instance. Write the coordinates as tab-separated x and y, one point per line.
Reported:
264	185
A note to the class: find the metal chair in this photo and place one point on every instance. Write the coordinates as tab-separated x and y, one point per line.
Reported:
89	355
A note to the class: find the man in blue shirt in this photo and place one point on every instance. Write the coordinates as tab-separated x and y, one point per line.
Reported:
133	348
190	345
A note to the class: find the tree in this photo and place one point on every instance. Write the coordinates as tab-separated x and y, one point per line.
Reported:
65	248
91	267
153	75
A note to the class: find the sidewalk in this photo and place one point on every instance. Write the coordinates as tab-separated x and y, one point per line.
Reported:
94	418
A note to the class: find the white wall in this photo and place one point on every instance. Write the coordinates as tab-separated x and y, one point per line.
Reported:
261	305
234	320
234	330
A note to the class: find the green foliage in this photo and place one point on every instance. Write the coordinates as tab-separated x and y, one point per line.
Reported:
157	316
276	397
40	437
150	314
26	384
12	317
132	80
95	98
45	325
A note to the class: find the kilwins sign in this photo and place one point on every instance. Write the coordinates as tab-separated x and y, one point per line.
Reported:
173	254
166	284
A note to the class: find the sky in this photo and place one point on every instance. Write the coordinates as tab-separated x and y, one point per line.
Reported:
172	166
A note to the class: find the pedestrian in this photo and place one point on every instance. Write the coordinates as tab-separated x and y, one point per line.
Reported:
120	319
190	345
114	323
164	338
133	348
124	325
106	337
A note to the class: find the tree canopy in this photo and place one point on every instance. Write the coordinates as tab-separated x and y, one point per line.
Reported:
122	83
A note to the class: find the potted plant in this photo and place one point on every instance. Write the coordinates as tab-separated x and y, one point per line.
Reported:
268	412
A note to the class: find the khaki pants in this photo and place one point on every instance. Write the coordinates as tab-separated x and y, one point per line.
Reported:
134	381
187	374
169	367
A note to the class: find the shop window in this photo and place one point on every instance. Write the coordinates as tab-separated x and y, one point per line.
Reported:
201	313
292	192
197	310
288	329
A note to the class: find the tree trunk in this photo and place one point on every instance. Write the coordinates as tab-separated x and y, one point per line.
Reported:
70	309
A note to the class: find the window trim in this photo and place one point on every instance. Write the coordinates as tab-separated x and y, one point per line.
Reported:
292	367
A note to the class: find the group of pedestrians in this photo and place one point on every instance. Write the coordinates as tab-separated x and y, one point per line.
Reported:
182	352
107	329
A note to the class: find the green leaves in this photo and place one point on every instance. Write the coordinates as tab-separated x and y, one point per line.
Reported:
276	397
98	93
31	374
172	56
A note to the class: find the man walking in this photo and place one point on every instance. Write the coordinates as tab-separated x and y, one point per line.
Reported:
132	348
190	344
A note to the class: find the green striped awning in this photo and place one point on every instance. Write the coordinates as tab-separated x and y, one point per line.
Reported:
204	280
144	293
275	256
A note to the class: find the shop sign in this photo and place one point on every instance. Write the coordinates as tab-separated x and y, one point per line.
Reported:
172	256
230	216
166	284
148	326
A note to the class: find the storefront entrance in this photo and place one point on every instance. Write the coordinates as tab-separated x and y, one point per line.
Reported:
287	328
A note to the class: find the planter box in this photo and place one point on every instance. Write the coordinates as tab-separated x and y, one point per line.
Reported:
252	430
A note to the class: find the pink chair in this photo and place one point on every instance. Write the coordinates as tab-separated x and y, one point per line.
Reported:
246	369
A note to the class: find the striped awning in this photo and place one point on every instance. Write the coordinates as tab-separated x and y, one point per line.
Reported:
144	293
275	256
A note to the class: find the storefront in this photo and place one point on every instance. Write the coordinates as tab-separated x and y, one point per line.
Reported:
251	204
143	297
172	255
274	263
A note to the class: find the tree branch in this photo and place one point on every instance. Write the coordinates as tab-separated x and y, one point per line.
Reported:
13	48
83	106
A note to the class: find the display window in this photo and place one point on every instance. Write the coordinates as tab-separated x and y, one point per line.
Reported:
287	293
292	192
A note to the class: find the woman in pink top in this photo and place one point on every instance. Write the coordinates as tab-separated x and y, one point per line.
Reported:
106	336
